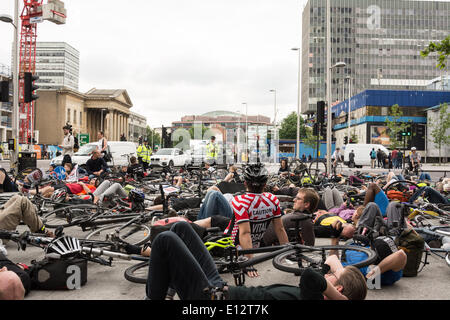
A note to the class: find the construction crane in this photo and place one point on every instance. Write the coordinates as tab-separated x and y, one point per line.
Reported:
34	11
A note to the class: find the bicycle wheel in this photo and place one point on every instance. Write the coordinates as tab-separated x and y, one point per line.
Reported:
219	174
137	273
68	216
135	234
317	169
296	261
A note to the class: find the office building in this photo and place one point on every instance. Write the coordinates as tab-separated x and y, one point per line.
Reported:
57	65
6	107
370	109
380	42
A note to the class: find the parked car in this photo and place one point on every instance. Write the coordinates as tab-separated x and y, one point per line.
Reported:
172	157
120	152
362	153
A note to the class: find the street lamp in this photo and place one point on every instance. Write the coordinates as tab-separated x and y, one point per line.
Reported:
15	75
298	100
246	129
275	126
349	104
238	144
329	124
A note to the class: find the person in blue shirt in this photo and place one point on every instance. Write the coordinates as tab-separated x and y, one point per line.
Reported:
375	194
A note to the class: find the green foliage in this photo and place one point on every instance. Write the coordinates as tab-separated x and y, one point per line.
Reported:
442	48
354	136
439	128
395	126
153	136
288	128
310	139
197	127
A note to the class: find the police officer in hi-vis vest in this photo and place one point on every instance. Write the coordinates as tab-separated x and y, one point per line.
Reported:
211	151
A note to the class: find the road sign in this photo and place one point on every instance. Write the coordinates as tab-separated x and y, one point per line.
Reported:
83	138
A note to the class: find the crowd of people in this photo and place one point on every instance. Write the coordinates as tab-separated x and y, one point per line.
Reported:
253	218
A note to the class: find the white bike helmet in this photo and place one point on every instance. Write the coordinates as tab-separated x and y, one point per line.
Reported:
413	149
64	247
59	195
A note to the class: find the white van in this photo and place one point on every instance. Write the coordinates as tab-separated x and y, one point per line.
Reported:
120	151
362	153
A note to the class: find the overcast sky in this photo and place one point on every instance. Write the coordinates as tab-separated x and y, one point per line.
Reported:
182	57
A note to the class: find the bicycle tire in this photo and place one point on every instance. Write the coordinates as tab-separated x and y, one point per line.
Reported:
281	261
316	169
67	216
137	273
135	234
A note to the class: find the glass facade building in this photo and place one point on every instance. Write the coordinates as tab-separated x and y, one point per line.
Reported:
380	42
57	65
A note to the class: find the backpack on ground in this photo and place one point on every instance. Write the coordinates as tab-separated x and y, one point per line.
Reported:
413	245
76	145
58	274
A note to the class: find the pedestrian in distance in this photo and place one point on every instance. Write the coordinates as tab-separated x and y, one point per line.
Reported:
68	141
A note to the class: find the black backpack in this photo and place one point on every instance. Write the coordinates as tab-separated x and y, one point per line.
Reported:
75	144
58	274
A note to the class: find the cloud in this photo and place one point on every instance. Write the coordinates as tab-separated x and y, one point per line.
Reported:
179	57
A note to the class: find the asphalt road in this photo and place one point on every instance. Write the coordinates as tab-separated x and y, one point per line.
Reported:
108	283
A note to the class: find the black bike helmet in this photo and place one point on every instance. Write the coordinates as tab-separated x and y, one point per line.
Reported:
256	174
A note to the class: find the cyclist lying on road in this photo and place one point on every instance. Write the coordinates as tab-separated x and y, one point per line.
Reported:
180	251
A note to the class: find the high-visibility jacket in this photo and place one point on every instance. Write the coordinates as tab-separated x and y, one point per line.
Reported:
141	150
211	150
148	154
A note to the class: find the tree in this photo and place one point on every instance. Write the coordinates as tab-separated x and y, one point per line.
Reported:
442	48
395	125
310	139
439	129
196	127
153	137
354	136
288	128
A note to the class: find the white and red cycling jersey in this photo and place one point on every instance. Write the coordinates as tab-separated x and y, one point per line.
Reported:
258	209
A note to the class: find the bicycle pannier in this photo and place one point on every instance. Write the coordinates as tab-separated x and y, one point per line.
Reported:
413	245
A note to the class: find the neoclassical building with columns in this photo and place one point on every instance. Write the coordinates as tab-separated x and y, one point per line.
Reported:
88	113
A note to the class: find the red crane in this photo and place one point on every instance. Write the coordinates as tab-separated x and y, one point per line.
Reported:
33	12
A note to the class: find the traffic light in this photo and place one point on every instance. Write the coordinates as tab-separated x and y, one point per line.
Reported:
316	129
29	87
320	112
346	140
400	136
163	135
323	131
408	131
4	91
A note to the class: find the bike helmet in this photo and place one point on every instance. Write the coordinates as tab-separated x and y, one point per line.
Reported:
256	174
59	195
136	195
64	247
413	148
